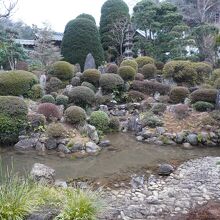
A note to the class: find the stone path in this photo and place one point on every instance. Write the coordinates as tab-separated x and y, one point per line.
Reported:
194	183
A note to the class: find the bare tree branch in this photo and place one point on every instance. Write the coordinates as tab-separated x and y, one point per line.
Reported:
7	8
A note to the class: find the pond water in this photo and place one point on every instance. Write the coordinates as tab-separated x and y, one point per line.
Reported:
125	153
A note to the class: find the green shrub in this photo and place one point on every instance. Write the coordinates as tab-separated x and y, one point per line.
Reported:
13	118
180	72
141	61
49	110
56	130
135	96
81	96
131	63
151	120
215	75
203	70
36	92
201	106
91	76
89	85
75	81
178	94
110	82
54	94
100	120
206	95
217	83
127	73
36	122
75	115
48	99
206	86
114	124
62	100
87	16
54	85
159	108
149	71
62	70
17	83
150	87
112	68
159	65
139	76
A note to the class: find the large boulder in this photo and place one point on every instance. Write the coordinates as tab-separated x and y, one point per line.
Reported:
165	169
192	139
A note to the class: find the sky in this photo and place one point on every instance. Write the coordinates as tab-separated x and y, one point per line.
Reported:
57	13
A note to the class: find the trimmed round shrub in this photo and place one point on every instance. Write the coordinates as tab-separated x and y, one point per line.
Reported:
131	63
110	82
180	72
62	70
203	70
203	106
159	65
87	16
149	71
48	99
89	85
159	108
75	115
206	95
75	81
62	100
17	83
91	76
54	94
81	96
100	120
178	94
127	73
215	75
139	76
114	124
112	68
49	110
13	118
54	85
36	92
217	83
151	120
181	111
141	61
135	96
56	130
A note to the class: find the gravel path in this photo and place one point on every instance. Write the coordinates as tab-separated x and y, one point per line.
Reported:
194	183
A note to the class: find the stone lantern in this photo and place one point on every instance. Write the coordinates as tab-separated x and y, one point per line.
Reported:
128	42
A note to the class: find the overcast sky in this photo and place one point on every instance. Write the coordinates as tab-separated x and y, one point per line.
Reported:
57	13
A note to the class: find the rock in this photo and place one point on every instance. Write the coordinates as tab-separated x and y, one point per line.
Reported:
137	181
92	133
51	143
134	124
187	146
179	137
63	148
75	81
61	183
79	74
89	62
40	146
43	214
160	130
43	174
91	147
105	143
62	141
147	134
77	147
103	108
204	136
192	139
139	138
165	169
26	144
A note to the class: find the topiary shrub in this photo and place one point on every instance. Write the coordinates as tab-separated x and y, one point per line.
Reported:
56	130
110	82
114	124
217	83
91	76
36	92
62	70
159	65
127	73
150	87
203	70
17	83
76	81
100	120
141	61
149	71
215	75
206	95
178	94
151	120
81	96
135	96
89	85
201	106
48	99
54	85
159	108
181	111
75	115
131	63
50	111
54	94
112	68
62	100
13	118
139	76
180	72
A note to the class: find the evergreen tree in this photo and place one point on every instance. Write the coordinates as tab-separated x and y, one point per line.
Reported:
81	37
112	12
88	16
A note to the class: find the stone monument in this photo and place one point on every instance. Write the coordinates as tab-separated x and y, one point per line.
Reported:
90	62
